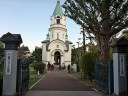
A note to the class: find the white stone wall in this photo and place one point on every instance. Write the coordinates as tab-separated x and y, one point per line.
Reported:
44	53
55	31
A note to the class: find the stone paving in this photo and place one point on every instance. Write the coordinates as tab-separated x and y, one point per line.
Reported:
59	83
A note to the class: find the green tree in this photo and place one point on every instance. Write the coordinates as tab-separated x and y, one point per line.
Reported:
74	56
23	52
1	57
1	49
37	54
102	18
92	47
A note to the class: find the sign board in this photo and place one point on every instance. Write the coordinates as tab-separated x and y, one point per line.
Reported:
8	63
74	66
122	66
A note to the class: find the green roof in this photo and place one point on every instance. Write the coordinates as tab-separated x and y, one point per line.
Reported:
48	34
66	35
58	9
69	42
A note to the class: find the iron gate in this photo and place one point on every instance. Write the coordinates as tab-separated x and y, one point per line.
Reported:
101	76
22	76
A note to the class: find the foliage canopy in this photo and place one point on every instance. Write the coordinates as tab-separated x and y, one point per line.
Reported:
102	18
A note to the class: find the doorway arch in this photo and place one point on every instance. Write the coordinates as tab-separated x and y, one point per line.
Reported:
57	58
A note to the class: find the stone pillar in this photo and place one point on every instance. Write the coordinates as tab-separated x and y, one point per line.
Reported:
12	41
119	65
120	77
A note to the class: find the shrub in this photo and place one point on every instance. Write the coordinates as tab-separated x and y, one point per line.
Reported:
87	64
39	66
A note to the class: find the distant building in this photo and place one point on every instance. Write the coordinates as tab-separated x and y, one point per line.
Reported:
56	48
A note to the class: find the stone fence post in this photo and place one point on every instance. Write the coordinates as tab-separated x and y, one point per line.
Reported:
119	46
12	41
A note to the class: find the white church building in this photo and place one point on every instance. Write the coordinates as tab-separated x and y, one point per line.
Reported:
56	49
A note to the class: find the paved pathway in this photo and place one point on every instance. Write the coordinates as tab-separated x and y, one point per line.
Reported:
59	83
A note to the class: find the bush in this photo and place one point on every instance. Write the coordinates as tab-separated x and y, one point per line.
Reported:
87	64
39	66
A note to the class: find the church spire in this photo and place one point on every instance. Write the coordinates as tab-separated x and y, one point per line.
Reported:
66	37
48	36
58	1
58	10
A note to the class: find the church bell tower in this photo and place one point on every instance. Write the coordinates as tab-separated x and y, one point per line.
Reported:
56	49
57	28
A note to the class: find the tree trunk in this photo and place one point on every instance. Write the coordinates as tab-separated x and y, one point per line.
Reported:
103	38
103	49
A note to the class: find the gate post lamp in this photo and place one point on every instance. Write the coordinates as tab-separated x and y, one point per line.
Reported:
11	41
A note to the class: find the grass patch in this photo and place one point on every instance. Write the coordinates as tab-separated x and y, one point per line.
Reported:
33	81
86	81
72	72
31	68
36	73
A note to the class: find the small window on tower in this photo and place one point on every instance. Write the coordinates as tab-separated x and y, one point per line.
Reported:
58	21
57	35
52	35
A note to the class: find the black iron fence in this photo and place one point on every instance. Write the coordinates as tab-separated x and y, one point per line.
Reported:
1	86
22	76
103	76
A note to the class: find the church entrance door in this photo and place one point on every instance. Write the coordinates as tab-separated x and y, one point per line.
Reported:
57	58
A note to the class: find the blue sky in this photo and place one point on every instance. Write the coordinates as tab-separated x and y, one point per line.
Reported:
31	19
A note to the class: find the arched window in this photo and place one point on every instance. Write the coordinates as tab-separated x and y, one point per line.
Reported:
58	20
57	35
52	36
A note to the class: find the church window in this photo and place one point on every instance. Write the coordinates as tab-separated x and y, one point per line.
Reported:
57	35
52	35
58	21
58	16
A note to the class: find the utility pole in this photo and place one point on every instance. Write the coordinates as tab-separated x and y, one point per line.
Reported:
78	66
84	47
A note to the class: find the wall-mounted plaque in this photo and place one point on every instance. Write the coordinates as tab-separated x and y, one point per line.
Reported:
122	66
8	62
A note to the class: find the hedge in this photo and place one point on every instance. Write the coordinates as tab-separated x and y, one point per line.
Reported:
39	66
87	64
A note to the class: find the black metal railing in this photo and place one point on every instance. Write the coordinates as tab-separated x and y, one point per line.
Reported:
101	76
22	76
